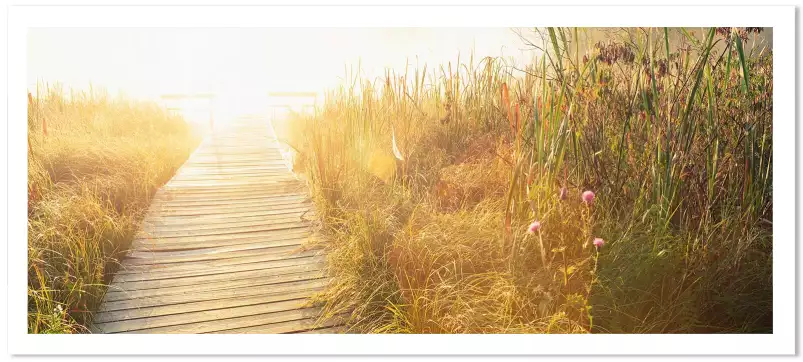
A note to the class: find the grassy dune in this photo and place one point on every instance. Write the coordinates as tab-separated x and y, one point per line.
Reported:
93	165
428	182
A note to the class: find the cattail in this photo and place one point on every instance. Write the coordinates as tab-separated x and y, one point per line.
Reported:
506	99
489	71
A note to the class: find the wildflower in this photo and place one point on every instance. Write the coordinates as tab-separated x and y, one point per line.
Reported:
563	193
598	242
534	227
588	197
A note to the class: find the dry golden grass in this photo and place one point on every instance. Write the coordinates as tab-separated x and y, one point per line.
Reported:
93	165
683	191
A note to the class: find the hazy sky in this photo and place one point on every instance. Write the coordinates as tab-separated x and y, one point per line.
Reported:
243	62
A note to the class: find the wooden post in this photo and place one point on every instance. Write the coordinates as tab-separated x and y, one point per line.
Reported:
211	114
208	96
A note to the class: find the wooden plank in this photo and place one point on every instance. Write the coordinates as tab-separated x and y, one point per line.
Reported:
242	201
211	216
226	245
257	271
276	178
157	259
152	242
194	228
215	164
188	198
285	254
226	190
266	189
238	322
217	173
244	152
275	189
272	225
211	295
278	165
214	249
224	240
230	176
200	316
282	185
327	330
236	281
224	211
256	159
231	159
233	216
157	275
164	310
235	205
287	327
211	162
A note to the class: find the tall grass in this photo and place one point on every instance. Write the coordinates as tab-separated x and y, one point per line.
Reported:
93	165
675	139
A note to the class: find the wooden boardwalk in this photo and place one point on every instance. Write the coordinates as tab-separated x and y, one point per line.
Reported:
220	250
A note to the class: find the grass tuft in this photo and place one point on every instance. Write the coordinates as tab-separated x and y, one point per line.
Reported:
671	130
93	165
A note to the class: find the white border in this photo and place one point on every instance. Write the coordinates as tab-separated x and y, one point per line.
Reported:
782	18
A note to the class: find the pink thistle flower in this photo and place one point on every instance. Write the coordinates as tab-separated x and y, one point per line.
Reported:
598	242
534	227
564	192
588	197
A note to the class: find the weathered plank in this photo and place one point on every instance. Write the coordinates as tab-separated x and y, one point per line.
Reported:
164	260
240	322
134	273
238	280
202	316
174	309
286	327
328	330
180	223
211	295
165	256
151	239
200	280
203	242
223	247
234	213
224	206
269	224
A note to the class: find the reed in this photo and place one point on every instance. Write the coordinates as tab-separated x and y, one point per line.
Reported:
673	137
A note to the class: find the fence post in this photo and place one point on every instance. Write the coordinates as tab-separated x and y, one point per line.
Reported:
211	113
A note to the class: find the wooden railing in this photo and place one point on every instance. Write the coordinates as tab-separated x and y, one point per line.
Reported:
180	97
292	95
